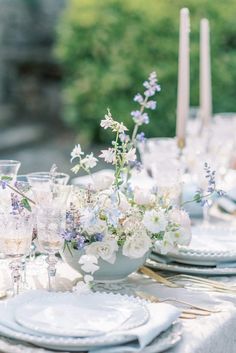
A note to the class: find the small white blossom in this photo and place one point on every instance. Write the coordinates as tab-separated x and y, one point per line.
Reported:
105	249
106	123
77	152
120	127
76	168
183	234
164	246
131	155
154	221
88	278
89	263
81	288
108	155
89	161
124	138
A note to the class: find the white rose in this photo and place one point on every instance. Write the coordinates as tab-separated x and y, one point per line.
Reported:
143	197
129	222
154	221
136	246
105	249
99	227
91	223
103	181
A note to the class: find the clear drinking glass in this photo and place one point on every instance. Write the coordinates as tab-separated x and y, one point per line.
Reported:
38	178
15	240
56	195
168	174
9	168
157	150
50	225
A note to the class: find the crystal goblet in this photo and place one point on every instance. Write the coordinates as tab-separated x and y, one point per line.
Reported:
42	178
50	226
15	240
54	195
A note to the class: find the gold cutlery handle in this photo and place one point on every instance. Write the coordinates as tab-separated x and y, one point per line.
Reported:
187	316
146	271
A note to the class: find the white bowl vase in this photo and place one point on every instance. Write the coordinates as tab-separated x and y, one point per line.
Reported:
107	272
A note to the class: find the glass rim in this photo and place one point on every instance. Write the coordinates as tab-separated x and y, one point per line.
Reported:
9	162
46	175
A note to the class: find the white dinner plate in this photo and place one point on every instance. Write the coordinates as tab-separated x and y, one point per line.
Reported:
70	315
209	246
161	343
60	343
194	270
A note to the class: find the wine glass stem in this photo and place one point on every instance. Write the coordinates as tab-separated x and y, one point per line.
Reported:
15	267
52	261
206	216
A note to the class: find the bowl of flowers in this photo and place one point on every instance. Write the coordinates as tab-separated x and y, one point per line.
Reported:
112	226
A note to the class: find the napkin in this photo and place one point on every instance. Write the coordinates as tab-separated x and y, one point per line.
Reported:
8	307
161	317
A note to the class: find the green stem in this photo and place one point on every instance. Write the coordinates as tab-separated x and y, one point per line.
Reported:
20	193
136	127
117	171
203	197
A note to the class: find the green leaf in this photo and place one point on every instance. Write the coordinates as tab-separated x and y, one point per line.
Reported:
6	178
25	204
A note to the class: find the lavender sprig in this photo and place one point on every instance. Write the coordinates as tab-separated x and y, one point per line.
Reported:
139	116
25	201
203	196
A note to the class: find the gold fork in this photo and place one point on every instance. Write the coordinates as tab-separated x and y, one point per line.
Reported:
148	272
205	282
3	294
192	307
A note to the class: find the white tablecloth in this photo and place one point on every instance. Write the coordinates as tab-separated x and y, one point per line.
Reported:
212	334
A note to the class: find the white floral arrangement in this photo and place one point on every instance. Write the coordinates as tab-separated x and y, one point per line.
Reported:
110	215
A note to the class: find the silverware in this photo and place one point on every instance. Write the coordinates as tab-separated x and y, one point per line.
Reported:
204	282
3	294
155	299
148	272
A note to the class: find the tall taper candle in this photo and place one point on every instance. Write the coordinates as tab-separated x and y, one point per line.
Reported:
183	77
205	73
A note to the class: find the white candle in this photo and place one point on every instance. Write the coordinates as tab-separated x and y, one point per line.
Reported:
205	73
183	77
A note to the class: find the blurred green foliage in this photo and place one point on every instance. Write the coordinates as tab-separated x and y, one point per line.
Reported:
109	47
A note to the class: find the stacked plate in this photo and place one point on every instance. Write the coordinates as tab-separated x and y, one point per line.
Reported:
212	251
66	321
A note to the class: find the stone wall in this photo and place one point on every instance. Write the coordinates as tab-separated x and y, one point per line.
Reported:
29	74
